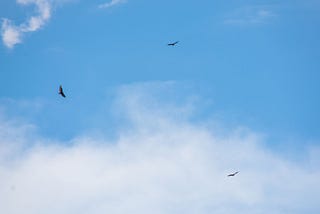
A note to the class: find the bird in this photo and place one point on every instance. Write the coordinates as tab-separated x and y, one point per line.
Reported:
232	174
61	91
173	44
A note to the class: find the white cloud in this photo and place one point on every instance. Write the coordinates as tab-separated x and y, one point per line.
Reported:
163	163
111	3
250	15
12	34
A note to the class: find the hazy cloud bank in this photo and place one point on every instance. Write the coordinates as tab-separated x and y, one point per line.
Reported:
161	163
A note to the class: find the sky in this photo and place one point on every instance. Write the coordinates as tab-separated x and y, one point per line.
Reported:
146	127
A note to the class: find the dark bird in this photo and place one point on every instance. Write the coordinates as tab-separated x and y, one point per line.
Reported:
173	44
233	174
61	91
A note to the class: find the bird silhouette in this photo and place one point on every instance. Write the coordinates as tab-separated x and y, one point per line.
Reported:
232	174
61	91
173	44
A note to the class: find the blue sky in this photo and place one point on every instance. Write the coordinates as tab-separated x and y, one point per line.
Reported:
257	61
239	64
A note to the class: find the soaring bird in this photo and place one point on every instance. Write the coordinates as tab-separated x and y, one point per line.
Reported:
61	91
233	174
173	44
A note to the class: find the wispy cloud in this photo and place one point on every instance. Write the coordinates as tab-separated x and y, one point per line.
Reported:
111	3
12	34
250	15
163	163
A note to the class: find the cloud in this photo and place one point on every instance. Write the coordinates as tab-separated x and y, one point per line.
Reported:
161	162
12	34
250	15
111	3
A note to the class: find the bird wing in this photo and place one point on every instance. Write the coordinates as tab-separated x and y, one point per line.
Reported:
173	43
233	174
61	91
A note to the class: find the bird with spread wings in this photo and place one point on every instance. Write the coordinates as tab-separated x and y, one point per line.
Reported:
173	44
233	174
61	91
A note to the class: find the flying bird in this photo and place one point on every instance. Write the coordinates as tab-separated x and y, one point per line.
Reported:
173	44
232	174
61	91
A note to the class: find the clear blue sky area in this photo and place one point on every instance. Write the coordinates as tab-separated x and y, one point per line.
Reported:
256	61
